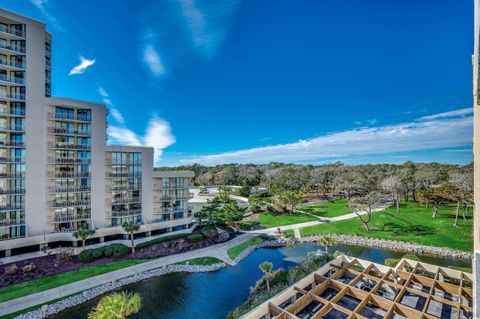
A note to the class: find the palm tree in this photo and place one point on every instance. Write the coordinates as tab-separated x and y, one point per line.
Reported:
83	233
326	241
130	228
118	305
266	268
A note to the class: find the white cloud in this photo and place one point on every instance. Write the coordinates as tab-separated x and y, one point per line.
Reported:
438	133
84	64
455	113
153	60
158	135
117	116
41	5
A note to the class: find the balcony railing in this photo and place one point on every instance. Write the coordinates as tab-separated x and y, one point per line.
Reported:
3	77
70	218
12	159
68	116
12	48
124	174
56	204
69	189
176	186
12	174
127	200
12	222
123	188
13	111
69	146
11	144
12	31
9	191
13	128
6	208
68	174
63	160
13	96
55	130
127	213
109	161
12	64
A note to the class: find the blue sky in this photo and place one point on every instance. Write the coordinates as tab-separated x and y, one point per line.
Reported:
270	80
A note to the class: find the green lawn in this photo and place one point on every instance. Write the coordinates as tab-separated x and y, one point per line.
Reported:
268	219
328	209
235	251
49	282
202	261
414	223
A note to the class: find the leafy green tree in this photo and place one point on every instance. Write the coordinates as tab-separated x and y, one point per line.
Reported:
437	196
83	233
266	267
118	305
130	228
231	214
290	200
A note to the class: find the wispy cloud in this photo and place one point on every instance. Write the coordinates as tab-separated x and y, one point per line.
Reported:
175	30
84	64
455	113
158	135
42	6
117	116
436	132
153	60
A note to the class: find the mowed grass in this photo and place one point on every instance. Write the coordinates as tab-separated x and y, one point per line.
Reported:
235	251
268	219
201	261
328	209
49	282
414	223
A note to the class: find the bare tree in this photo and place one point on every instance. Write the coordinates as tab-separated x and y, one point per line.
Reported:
364	206
463	186
393	186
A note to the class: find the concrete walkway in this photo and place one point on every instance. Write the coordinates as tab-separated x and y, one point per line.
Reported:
218	251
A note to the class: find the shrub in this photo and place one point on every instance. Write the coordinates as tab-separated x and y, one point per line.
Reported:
249	225
29	268
97	253
411	257
193	238
85	256
209	231
119	251
64	254
391	262
108	251
11	270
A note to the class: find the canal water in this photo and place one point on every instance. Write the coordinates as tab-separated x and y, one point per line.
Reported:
213	295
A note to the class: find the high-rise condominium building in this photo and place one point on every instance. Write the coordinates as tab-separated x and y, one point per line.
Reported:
56	172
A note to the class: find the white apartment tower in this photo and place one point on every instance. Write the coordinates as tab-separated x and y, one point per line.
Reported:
56	171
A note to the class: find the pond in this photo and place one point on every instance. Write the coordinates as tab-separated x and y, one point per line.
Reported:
213	295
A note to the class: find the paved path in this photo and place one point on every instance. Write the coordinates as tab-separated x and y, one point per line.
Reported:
323	220
219	251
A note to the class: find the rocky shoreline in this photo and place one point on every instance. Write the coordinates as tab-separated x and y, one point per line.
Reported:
90	294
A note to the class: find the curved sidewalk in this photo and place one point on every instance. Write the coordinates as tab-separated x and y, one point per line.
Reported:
218	251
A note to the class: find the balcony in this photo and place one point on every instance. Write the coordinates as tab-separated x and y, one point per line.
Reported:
158	186
12	80
12	174
12	222
14	112
127	213
55	204
125	174
70	218
163	198
69	189
123	188
172	210
12	128
130	200
68	116
13	207
68	174
12	65
11	144
68	146
12	159
63	131
63	160
10	49
12	191
12	31
12	96
109	161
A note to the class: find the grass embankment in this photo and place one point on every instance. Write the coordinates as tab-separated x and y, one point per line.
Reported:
159	240
201	261
414	223
235	251
49	282
328	209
